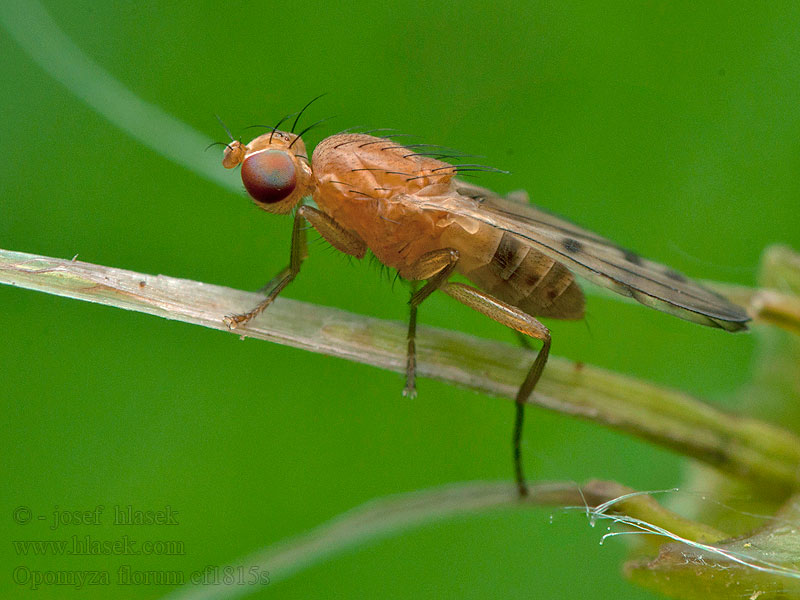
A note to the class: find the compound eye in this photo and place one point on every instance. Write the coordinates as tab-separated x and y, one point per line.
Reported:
269	176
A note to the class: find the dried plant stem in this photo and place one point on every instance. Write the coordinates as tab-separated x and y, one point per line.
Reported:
736	445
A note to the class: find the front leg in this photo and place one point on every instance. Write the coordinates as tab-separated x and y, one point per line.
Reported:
328	228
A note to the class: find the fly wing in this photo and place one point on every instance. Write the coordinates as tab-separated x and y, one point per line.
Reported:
594	257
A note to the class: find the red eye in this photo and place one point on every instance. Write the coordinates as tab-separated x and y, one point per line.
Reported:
269	176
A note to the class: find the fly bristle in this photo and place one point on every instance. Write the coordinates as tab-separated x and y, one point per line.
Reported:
464	167
212	144
370	131
309	128
394	135
349	130
279	123
383	270
302	110
225	127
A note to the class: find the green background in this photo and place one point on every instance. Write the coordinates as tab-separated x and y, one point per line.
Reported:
671	128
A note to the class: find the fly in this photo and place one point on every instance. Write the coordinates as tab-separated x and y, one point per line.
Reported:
408	208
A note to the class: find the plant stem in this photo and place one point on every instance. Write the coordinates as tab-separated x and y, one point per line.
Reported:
392	515
745	447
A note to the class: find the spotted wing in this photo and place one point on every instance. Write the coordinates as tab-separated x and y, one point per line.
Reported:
596	258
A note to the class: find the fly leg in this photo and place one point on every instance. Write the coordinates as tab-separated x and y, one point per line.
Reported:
328	228
523	323
435	266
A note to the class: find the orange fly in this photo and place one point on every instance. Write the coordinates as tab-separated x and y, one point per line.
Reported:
410	211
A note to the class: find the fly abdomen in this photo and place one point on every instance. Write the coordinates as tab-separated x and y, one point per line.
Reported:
529	280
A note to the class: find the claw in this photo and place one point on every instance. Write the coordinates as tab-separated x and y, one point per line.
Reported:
410	392
233	321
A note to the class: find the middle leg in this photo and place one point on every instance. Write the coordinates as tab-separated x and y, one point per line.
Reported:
435	266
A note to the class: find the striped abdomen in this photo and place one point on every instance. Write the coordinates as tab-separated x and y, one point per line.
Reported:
511	270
